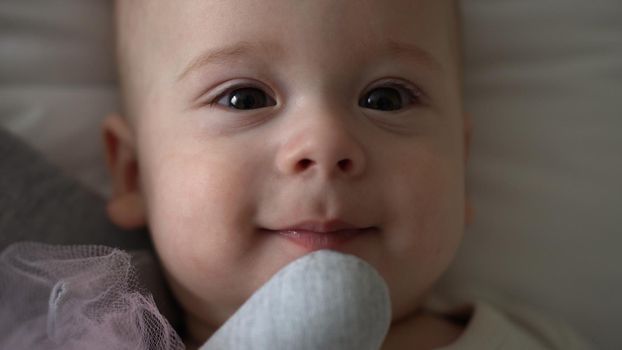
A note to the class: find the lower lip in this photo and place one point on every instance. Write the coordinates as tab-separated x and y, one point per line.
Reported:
313	241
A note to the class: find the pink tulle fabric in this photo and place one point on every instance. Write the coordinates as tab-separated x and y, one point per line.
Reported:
77	297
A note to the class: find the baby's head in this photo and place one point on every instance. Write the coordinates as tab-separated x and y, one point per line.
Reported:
249	117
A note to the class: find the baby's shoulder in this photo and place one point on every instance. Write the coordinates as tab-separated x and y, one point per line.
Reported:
498	323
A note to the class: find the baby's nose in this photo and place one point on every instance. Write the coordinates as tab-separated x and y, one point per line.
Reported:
325	148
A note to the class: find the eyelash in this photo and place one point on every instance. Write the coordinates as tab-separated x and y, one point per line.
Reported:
414	94
232	88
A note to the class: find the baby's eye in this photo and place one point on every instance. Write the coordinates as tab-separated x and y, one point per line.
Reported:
389	98
246	98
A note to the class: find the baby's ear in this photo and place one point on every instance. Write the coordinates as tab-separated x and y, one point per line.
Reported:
126	206
468	134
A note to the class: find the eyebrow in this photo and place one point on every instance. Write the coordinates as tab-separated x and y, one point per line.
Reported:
226	54
414	53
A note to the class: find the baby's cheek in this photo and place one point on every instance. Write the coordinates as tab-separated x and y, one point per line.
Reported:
190	209
200	225
424	232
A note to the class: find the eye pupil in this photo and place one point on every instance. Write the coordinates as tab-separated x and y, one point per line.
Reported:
247	98
384	99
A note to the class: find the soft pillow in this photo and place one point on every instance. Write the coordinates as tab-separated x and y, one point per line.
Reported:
57	80
544	85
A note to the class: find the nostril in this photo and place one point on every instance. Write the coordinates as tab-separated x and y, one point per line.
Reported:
304	164
345	164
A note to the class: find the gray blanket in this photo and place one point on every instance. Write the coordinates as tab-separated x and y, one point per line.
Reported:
40	203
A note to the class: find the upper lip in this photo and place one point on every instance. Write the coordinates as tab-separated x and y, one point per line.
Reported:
320	226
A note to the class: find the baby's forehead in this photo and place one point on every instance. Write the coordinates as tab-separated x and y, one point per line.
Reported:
329	22
326	20
161	34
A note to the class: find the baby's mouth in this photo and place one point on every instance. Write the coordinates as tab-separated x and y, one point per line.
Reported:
317	235
313	241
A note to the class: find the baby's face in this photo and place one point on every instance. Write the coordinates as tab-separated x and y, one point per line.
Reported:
257	116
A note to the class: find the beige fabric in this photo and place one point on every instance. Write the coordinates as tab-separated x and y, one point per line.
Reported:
506	326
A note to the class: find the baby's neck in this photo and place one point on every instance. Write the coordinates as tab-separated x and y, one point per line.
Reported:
196	333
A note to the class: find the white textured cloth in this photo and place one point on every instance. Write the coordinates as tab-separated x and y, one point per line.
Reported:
322	301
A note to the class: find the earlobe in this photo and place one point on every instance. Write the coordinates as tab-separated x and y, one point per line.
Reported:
125	206
127	211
